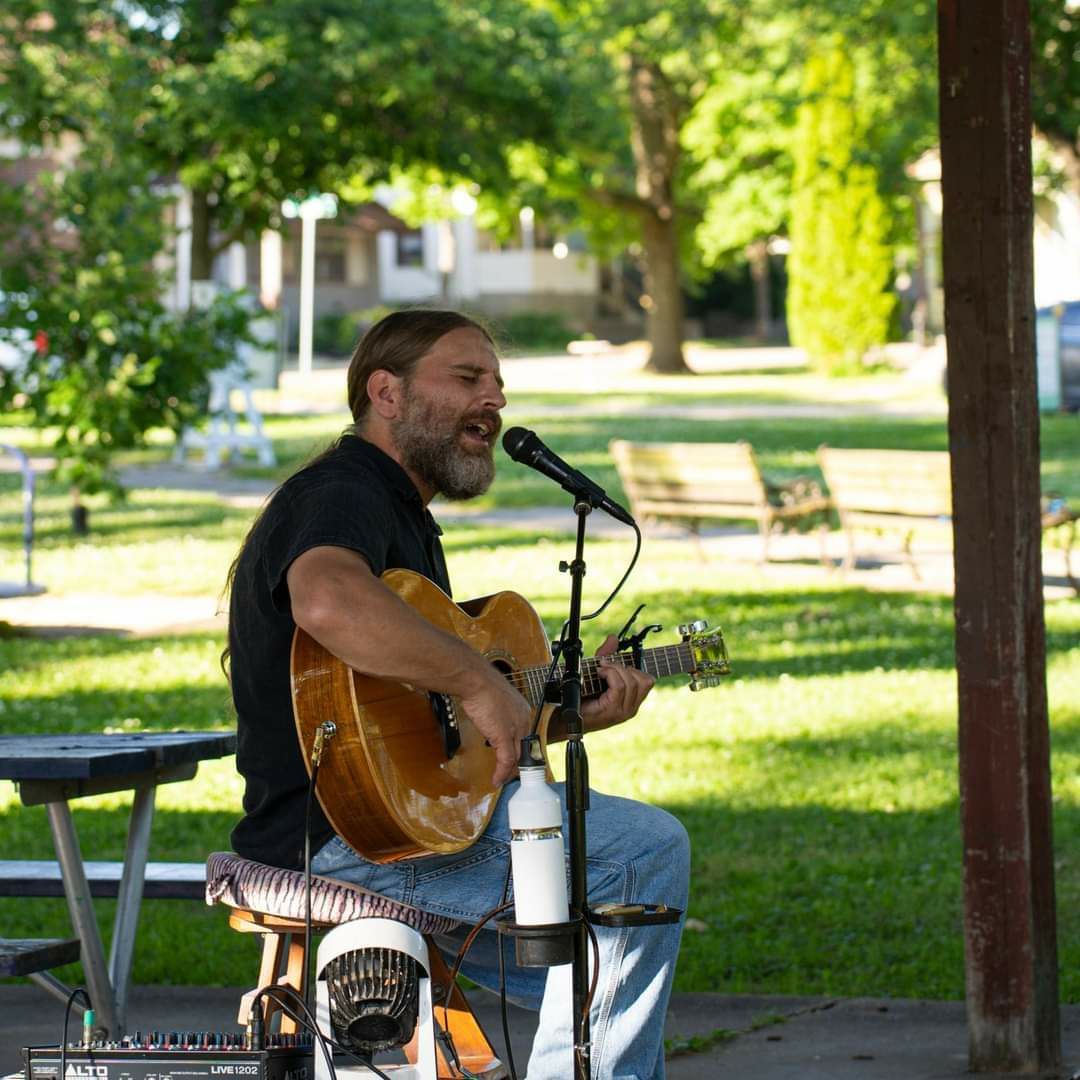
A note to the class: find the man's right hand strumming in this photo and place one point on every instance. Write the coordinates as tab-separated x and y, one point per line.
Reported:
503	717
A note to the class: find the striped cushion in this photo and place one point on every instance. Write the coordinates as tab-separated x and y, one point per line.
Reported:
253	886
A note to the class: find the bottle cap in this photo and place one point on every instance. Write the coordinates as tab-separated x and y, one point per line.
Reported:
532	753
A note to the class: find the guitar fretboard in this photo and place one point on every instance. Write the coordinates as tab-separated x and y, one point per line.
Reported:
661	662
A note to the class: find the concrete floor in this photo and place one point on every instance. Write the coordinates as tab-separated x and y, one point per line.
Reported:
742	1037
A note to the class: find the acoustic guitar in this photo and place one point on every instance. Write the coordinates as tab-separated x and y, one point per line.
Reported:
406	773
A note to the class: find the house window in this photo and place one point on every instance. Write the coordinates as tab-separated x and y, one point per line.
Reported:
410	248
329	264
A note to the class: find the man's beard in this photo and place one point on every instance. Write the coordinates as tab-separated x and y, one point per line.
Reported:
427	438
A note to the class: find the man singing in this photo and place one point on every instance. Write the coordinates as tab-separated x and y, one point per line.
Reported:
426	396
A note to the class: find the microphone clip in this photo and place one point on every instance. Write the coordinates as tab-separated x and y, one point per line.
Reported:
633	642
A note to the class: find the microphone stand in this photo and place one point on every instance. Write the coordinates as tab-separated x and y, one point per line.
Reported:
548	945
577	792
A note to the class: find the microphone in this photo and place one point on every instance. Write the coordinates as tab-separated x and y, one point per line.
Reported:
525	446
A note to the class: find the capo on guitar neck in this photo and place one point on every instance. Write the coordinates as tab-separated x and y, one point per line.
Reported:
633	642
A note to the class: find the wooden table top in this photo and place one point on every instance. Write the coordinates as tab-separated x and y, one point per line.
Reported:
84	757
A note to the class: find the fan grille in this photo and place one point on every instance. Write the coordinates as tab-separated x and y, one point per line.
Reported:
374	999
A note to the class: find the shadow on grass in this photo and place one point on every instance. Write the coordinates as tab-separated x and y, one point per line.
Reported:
814	900
151	516
803	899
25	654
792	632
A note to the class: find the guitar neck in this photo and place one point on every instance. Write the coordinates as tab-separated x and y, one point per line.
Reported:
661	662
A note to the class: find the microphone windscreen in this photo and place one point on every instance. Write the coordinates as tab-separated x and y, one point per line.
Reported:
514	441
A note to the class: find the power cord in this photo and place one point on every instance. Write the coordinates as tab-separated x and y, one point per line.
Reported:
455	970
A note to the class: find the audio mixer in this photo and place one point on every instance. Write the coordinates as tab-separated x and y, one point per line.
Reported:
160	1055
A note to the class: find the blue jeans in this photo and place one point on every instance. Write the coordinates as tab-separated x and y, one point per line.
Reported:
636	854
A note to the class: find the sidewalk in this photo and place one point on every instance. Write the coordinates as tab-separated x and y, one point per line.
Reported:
794	558
742	1037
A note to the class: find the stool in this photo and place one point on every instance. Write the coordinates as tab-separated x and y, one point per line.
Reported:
270	901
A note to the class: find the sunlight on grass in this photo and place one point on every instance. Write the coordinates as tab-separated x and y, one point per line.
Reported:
818	783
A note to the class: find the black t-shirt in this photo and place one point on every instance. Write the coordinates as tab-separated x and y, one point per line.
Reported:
353	497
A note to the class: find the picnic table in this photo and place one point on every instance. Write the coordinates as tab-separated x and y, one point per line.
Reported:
54	770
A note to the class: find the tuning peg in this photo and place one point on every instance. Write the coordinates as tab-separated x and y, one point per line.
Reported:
702	682
695	627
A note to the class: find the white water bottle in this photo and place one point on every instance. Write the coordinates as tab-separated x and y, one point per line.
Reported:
537	855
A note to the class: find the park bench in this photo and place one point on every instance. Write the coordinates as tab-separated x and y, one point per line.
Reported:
164	880
689	483
908	492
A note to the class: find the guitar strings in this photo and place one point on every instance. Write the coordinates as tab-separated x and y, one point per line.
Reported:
666	660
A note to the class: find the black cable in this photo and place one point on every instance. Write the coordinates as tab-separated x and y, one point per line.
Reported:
556	652
622	580
560	641
455	969
502	983
305	977
67	1016
309	1022
596	967
467	944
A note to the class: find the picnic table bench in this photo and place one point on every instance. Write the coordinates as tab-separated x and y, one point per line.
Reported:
906	492
693	482
163	881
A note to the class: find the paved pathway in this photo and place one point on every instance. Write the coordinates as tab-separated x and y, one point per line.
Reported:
739	1036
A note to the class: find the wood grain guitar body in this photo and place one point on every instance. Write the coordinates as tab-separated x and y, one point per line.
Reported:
385	781
406	773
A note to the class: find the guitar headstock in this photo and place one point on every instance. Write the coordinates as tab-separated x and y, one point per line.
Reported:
709	654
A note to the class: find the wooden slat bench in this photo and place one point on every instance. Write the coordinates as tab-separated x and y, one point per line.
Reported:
164	880
907	491
25	956
694	482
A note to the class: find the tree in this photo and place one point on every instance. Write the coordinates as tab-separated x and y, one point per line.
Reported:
1055	80
102	361
248	104
841	260
740	137
637	70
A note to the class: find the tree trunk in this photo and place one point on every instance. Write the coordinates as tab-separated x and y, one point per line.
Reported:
80	514
664	311
1006	803
654	138
758	254
202	254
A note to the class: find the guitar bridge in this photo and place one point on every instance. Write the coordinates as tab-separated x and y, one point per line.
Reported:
442	705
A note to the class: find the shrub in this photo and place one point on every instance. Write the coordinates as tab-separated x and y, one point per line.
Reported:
841	260
536	330
334	333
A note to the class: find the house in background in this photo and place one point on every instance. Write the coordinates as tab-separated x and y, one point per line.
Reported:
366	257
1056	242
1056	255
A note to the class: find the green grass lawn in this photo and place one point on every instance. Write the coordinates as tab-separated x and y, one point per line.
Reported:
818	783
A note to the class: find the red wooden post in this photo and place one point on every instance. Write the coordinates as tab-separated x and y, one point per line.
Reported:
1009	917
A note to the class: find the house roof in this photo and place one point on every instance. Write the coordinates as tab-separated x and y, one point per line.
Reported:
373	217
